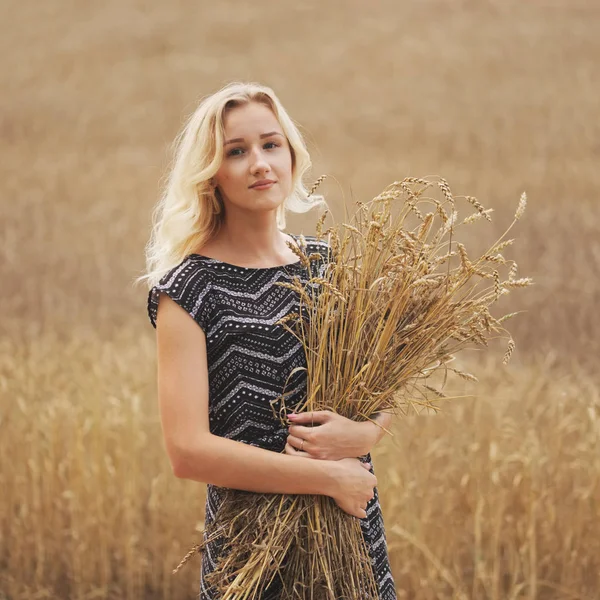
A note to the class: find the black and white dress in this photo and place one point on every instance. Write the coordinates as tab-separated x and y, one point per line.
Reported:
249	360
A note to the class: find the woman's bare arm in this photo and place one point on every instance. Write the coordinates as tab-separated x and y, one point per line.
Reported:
193	451
232	464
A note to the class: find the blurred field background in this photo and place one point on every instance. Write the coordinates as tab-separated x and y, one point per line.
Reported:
497	497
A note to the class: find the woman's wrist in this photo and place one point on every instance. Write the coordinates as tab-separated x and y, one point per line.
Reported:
329	477
369	436
373	430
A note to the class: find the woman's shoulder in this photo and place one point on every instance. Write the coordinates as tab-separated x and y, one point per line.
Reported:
320	245
190	269
315	242
188	283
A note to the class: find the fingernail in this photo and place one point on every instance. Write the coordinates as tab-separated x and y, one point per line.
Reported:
292	416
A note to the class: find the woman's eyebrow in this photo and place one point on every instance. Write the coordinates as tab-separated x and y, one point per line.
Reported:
262	135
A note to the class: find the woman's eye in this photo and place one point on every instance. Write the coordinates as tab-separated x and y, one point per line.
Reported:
234	152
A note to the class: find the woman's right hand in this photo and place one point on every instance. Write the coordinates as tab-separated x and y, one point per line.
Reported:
355	484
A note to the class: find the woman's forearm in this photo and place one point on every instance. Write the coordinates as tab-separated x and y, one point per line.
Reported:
232	464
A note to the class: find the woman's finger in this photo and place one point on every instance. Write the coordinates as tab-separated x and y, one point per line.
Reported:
289	449
296	442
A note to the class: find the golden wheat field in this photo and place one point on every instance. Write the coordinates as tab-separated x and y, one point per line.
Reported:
497	497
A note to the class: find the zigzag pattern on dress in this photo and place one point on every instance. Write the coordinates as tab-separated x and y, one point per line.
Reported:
249	360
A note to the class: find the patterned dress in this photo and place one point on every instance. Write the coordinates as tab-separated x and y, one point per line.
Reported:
249	360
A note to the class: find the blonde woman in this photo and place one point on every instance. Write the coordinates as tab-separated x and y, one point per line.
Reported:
216	251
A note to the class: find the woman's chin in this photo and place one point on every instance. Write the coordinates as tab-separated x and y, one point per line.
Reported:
268	202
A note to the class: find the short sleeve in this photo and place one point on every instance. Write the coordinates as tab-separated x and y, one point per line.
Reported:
188	284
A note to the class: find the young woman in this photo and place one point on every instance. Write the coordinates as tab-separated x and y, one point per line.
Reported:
216	251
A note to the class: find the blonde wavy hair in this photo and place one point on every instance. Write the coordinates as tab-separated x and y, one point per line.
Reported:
190	211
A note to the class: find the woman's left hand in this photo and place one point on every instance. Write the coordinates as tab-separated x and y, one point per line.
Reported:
336	437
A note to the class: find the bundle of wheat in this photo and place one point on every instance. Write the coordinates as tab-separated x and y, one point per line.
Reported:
396	305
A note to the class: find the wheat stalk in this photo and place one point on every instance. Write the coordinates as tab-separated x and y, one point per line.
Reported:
393	309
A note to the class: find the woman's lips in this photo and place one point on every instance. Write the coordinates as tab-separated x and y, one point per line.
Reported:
266	186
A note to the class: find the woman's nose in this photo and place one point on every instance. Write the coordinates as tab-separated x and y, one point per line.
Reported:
259	161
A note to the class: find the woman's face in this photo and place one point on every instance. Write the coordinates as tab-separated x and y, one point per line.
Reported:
255	149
